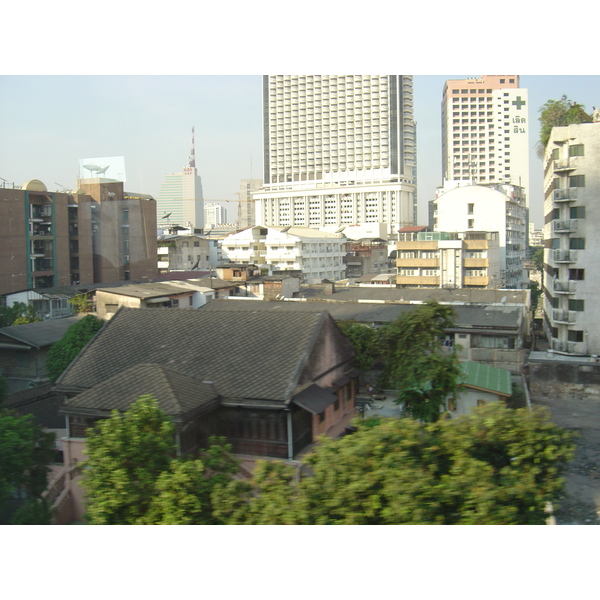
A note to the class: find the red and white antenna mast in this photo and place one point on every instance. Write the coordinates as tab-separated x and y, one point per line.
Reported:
193	153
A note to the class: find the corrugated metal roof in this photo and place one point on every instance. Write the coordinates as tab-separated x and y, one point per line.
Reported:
486	377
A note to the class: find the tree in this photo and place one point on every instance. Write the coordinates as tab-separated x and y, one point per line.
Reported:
132	477
425	372
26	452
494	466
364	341
558	113
18	314
81	303
62	353
126	455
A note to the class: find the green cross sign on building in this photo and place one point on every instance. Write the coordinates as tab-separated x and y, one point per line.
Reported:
518	102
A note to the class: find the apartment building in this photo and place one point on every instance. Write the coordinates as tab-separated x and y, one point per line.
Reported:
319	255
337	150
485	131
98	234
572	246
448	260
184	253
464	207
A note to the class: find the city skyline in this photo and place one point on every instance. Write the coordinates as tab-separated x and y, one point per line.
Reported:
148	119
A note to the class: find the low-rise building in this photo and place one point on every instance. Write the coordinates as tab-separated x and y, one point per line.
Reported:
481	384
269	383
448	260
183	253
319	255
23	350
174	294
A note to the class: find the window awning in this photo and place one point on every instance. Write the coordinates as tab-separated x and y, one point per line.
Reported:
315	399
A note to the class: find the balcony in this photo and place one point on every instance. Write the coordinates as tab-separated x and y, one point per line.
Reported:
565	256
563	165
416	280
568	226
564	287
478	281
476	263
565	195
563	316
563	346
410	263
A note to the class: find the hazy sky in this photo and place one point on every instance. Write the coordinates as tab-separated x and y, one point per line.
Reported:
48	123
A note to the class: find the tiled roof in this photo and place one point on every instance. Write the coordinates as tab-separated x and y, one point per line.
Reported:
475	316
246	354
176	393
486	377
41	334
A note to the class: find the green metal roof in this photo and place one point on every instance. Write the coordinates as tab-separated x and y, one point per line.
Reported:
487	378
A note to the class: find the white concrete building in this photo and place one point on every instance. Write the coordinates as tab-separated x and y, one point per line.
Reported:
572	246
337	150
183	253
500	208
485	131
214	215
319	255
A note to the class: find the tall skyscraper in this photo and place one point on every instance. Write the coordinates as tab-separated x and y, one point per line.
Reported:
246	211
214	214
180	199
337	150
485	131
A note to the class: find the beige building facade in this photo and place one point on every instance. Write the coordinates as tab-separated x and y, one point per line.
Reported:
448	260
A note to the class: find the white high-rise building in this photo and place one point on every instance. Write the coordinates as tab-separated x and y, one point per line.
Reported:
572	245
338	150
214	214
180	199
485	131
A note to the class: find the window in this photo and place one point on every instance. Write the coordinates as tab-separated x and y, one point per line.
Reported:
577	212
196	244
577	243
471	223
575	335
471	207
577	181
480	402
321	417
577	274
577	305
191	301
576	150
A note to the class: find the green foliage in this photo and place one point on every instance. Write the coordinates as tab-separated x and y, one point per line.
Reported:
126	455
3	389
558	113
34	511
538	259
17	314
62	353
494	466
536	292
364	341
81	303
26	451
425	372
131	475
